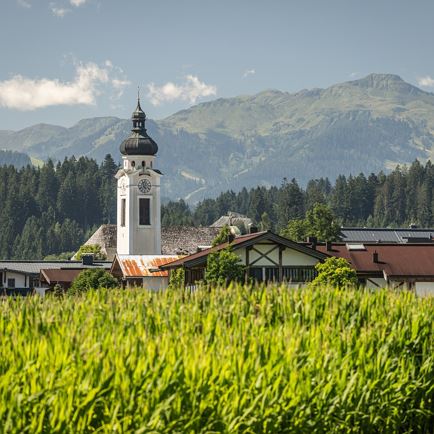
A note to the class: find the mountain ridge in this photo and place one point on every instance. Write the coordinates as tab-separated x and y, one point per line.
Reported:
369	124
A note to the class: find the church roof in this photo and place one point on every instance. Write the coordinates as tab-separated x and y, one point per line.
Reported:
175	240
139	142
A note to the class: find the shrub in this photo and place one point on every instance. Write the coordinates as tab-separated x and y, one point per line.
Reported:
90	248
223	267
93	278
336	273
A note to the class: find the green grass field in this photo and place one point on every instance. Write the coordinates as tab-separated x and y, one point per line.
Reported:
234	360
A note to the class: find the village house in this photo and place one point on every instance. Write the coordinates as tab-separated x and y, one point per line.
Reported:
26	277
267	257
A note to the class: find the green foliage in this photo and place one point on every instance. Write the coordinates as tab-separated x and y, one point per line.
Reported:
92	278
177	278
64	256
234	360
49	209
95	249
335	273
319	222
223	267
223	236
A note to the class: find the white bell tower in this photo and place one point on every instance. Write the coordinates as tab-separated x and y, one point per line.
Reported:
138	193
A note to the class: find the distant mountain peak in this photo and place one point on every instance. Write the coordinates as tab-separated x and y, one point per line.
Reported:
386	82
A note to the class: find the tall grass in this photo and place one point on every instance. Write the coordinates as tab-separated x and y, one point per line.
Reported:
237	360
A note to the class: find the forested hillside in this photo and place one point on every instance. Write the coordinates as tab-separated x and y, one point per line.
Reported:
54	209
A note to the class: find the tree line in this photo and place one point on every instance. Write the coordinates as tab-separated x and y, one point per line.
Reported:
54	209
404	196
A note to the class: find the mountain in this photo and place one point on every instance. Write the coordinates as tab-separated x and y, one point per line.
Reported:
365	125
14	158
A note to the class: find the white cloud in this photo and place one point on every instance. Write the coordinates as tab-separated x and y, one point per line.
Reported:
248	72
59	12
426	81
24	3
23	93
191	90
77	3
354	74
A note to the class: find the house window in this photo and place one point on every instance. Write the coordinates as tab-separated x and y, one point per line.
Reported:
11	283
299	274
256	273
123	207
144	211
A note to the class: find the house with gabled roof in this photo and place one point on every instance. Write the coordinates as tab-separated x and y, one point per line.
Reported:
267	257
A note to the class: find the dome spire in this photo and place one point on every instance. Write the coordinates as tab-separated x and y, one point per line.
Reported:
139	143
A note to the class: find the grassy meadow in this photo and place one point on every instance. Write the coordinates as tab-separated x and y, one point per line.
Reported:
236	360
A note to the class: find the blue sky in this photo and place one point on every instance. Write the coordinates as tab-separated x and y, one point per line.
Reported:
64	60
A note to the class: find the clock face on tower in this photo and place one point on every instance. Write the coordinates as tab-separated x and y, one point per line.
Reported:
144	185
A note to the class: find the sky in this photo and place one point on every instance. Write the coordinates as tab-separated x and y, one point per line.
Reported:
66	60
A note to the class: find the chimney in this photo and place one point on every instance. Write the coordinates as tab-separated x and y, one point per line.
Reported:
329	246
375	257
253	229
313	241
87	259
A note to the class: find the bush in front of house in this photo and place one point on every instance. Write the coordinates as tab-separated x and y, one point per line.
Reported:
223	267
92	279
335	273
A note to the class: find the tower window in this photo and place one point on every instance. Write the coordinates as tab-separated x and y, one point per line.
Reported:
123	207
144	211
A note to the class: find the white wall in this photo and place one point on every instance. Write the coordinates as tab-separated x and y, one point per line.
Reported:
424	289
289	257
19	279
376	283
153	283
133	239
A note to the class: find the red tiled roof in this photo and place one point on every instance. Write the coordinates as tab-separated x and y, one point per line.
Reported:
393	259
144	265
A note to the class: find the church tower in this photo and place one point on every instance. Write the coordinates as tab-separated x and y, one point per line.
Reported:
138	193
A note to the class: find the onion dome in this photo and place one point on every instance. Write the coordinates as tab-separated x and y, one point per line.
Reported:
139	143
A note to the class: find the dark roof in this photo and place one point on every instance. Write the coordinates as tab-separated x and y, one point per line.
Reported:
184	240
55	276
386	235
34	267
244	241
139	143
396	260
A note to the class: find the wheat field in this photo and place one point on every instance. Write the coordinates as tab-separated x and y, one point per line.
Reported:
229	360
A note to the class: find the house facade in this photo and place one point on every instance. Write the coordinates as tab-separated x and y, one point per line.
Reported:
267	257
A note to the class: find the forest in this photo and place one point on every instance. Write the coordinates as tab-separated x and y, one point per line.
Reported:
52	210
400	198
